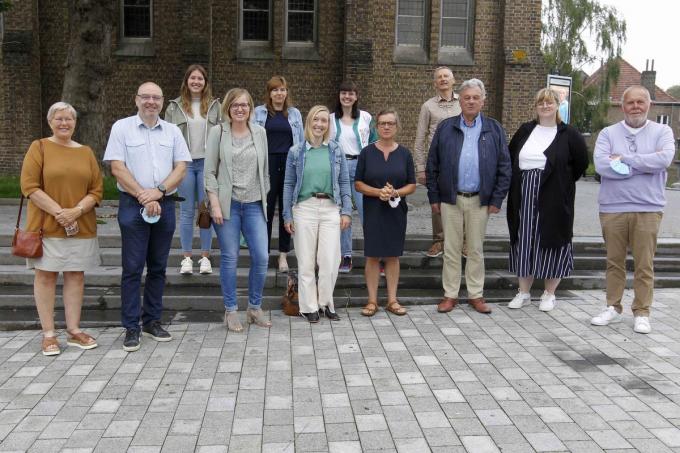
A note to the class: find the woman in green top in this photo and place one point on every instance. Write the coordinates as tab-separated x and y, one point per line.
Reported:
317	204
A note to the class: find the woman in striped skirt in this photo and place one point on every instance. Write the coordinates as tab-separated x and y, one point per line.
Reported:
548	157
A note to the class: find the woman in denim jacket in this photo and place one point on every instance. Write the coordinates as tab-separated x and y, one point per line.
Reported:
283	124
317	205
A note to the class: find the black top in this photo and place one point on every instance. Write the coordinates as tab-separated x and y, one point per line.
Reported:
279	133
567	159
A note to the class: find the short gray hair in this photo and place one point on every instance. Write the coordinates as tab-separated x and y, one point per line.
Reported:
442	68
633	88
473	83
59	106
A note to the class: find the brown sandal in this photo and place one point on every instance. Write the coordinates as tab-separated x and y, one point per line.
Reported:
50	346
370	309
395	308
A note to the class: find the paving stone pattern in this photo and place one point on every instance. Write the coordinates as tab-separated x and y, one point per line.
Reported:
514	381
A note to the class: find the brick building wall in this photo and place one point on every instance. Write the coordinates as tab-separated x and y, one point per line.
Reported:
355	41
20	94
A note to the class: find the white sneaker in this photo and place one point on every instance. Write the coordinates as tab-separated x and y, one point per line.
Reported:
642	324
609	315
204	266
547	301
187	266
519	300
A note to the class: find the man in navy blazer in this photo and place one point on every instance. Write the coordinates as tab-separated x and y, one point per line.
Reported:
468	176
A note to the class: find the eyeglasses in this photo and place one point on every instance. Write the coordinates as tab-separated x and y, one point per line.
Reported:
387	123
632	146
148	97
239	106
545	104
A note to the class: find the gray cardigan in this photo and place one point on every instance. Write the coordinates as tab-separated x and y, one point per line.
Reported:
217	170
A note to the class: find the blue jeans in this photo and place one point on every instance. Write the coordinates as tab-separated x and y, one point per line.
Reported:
143	243
346	235
246	218
191	188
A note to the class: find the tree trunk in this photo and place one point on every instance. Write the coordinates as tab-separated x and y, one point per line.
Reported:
88	65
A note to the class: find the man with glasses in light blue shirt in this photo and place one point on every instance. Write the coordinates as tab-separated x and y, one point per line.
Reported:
147	157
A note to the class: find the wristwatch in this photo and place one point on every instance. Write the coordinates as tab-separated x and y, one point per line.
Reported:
162	188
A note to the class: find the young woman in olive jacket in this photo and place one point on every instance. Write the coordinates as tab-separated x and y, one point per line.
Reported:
548	157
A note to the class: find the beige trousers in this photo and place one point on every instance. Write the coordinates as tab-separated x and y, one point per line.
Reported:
464	222
317	243
637	230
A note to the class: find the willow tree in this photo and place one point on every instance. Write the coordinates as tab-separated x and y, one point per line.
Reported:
577	33
88	64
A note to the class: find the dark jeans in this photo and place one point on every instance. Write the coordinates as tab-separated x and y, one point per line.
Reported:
277	172
143	243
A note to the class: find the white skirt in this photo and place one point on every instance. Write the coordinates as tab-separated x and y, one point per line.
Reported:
67	255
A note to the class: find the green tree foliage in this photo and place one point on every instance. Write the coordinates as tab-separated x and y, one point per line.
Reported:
5	5
674	91
567	24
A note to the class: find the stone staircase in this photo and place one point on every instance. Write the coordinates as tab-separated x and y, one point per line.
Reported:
419	282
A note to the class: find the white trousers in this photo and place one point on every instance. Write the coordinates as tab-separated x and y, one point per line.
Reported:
317	242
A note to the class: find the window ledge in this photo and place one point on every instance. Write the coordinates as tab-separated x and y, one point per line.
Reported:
457	56
254	51
301	51
136	48
410	54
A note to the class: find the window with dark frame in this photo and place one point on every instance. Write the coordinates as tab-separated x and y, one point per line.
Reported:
663	119
301	21
454	23
411	23
136	19
255	20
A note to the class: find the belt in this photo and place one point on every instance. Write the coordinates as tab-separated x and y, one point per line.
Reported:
321	195
351	156
172	197
468	194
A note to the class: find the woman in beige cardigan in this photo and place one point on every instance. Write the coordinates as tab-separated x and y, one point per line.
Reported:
237	182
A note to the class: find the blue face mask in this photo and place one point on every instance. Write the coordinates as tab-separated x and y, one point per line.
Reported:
147	218
619	167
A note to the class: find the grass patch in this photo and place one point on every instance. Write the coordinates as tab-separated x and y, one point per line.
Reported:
10	187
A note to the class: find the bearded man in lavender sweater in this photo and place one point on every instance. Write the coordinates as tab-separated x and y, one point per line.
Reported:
632	157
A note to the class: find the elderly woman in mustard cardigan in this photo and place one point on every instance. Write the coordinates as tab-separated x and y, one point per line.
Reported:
63	182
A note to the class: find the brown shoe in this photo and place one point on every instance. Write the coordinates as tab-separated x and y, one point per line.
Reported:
436	249
81	340
447	304
480	305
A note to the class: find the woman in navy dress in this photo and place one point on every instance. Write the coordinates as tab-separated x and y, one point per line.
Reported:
385	175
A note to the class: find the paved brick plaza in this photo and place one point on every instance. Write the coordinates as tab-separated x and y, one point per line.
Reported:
515	381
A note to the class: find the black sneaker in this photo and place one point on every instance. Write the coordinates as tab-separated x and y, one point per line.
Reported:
345	265
312	317
131	342
156	331
333	316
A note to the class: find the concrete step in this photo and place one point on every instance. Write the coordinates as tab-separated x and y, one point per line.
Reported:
417	243
111	257
17	275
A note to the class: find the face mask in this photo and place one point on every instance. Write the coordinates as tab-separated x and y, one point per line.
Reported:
147	218
619	167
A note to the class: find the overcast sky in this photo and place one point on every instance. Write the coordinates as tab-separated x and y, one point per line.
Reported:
653	32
